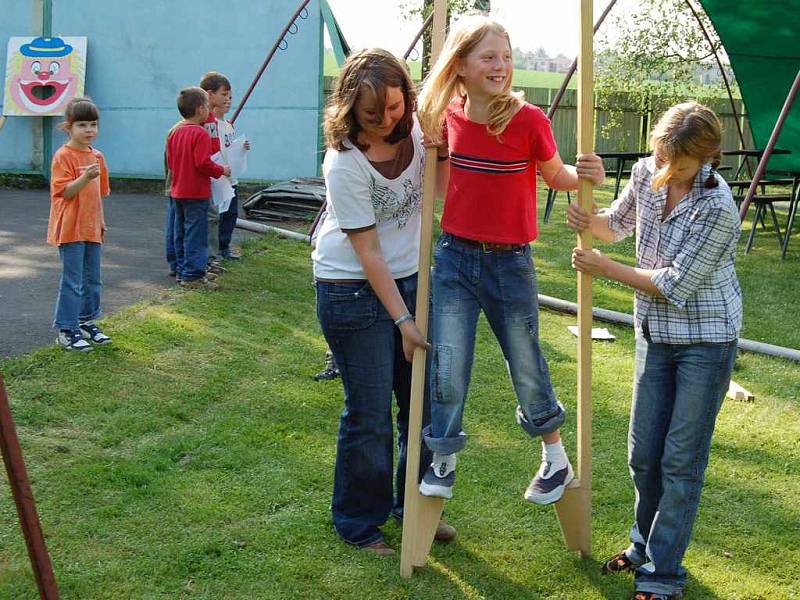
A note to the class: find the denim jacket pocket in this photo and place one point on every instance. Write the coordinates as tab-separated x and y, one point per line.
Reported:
352	309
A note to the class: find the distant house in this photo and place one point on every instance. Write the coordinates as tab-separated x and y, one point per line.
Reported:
559	64
709	73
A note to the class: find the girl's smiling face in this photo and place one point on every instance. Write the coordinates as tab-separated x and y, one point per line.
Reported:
487	69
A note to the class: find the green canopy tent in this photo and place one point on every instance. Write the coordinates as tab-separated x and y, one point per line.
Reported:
762	40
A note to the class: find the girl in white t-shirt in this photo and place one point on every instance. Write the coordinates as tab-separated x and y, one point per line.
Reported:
365	267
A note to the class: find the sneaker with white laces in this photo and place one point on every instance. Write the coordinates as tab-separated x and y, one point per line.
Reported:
73	341
439	477
90	331
548	485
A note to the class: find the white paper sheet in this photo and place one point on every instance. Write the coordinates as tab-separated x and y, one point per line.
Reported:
237	157
221	188
598	333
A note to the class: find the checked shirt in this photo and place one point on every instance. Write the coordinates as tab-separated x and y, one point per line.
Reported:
693	253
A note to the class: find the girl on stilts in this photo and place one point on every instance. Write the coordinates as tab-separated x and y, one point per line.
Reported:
490	144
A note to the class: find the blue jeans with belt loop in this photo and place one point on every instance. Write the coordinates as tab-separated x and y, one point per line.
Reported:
368	350
678	391
467	279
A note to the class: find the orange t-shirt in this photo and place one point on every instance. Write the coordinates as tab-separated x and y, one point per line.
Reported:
80	218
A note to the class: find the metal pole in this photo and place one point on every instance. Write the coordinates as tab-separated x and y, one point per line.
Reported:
773	139
422	29
23	498
267	60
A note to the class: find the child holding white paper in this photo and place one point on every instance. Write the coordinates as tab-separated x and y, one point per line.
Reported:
218	88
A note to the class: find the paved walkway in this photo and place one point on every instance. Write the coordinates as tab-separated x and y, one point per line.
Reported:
133	262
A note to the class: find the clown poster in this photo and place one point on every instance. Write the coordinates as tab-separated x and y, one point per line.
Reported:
43	74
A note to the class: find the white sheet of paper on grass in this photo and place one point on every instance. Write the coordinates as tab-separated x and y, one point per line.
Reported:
598	333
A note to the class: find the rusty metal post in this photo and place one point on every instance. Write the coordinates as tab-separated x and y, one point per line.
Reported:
23	498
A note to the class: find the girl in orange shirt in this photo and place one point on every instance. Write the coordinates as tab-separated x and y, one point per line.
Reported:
78	181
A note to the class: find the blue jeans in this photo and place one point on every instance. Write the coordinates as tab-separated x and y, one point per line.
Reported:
80	285
678	390
467	279
169	236
191	238
227	223
368	350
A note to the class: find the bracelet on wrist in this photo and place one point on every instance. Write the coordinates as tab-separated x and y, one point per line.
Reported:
442	157
403	318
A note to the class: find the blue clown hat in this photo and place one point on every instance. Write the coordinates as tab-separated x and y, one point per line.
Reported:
46	47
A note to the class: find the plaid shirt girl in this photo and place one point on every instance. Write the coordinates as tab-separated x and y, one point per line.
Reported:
693	252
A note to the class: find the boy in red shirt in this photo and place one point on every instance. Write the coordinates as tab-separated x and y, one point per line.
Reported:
189	162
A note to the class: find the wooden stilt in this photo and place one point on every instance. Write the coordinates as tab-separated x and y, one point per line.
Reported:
421	514
574	510
23	497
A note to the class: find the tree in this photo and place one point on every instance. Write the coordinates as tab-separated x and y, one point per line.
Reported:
653	60
520	58
417	12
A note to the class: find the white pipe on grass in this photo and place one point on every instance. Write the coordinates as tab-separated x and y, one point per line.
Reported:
261	228
613	316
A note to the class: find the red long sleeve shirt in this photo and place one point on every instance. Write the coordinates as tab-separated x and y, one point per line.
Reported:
189	161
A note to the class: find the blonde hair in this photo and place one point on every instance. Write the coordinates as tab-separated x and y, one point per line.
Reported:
443	82
370	72
688	130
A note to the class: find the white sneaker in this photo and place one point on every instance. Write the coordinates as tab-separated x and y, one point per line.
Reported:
439	477
90	331
73	341
548	485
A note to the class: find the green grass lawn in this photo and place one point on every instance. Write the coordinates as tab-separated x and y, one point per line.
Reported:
193	458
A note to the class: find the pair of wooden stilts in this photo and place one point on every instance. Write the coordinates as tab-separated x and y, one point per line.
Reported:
574	510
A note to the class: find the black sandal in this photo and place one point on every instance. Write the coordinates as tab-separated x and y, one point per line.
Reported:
619	563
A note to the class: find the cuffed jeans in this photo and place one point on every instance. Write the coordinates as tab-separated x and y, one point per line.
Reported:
191	238
678	391
368	350
80	285
467	279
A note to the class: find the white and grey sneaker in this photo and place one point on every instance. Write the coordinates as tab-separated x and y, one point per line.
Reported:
73	341
90	331
440	476
548	485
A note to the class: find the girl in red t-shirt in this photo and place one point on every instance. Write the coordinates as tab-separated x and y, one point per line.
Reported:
490	144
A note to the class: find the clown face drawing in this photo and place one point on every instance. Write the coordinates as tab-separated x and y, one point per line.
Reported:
43	74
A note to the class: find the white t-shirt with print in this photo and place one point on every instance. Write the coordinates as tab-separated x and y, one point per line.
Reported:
226	132
359	196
